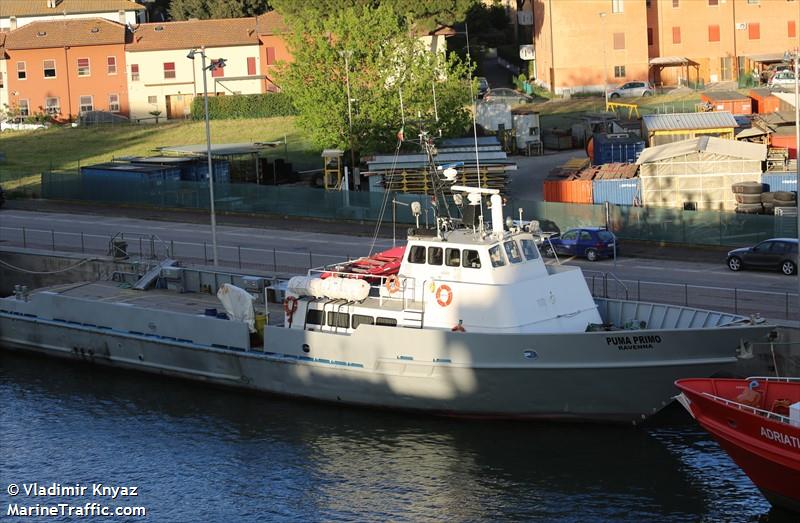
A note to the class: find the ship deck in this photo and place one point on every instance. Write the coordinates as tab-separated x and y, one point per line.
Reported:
157	299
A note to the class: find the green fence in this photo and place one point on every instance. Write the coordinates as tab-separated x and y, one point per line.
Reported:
631	223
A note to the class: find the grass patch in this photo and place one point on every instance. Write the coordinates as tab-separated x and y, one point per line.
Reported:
65	148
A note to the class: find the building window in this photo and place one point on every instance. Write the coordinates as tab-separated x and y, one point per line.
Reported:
216	71
52	105
619	40
21	72
49	68
754	31
617	6
676	3
713	33
676	35
134	72
1	80
754	2
619	71
83	67
86	104
169	70
24	109
713	2
791	30
113	103
111	61
649	36
648	3
152	100
270	55
251	65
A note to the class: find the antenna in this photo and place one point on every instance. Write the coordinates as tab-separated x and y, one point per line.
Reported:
474	123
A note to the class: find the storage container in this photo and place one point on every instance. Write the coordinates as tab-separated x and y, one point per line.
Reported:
764	101
568	191
780	182
617	192
785	138
130	172
616	148
730	101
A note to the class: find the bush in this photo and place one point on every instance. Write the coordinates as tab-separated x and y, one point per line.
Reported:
243	106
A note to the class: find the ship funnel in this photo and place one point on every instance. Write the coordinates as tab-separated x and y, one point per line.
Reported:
497	215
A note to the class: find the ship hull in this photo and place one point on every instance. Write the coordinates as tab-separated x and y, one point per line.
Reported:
577	377
766	449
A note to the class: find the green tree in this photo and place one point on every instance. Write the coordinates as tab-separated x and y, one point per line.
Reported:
204	9
384	60
425	15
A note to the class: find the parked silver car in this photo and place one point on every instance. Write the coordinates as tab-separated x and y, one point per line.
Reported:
20	124
505	95
632	90
783	78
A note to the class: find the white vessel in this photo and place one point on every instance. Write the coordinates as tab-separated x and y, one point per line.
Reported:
473	324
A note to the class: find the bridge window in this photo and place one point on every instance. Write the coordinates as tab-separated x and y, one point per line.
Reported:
472	259
453	257
386	322
512	251
417	254
360	319
434	256
529	249
496	255
314	317
338	319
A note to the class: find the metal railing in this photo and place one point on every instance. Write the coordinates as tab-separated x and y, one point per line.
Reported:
769	304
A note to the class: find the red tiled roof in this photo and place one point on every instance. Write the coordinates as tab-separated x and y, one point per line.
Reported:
271	24
20	8
66	32
210	33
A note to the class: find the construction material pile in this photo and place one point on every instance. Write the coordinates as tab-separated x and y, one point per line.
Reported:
752	199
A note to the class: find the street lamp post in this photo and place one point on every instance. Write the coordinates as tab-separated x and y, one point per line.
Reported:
214	65
605	64
347	54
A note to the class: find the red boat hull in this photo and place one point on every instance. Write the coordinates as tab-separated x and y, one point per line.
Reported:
766	448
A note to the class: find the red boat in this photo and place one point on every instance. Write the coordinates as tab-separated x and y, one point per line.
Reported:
757	422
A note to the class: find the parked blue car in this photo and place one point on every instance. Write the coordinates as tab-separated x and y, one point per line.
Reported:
589	242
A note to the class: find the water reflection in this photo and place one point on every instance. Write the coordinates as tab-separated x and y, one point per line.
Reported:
239	457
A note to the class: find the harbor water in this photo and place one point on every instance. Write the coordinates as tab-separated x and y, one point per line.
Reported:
196	453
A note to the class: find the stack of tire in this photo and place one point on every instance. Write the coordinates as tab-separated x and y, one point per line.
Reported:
784	199
748	197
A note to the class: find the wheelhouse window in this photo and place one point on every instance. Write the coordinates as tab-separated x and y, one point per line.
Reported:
471	259
386	322
49	68
360	319
84	68
529	249
496	256
435	256
512	251
452	257
340	320
417	254
314	317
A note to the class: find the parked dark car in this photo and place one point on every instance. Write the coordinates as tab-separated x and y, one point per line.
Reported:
589	242
776	253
